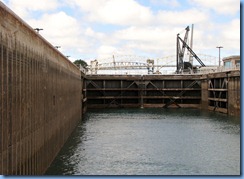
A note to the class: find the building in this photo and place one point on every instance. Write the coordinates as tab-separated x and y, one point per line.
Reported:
231	62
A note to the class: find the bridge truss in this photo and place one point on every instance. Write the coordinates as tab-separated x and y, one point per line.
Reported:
126	63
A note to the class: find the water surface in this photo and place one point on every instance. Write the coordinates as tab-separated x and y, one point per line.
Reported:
151	142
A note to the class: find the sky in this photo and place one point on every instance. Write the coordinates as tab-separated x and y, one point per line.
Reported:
98	29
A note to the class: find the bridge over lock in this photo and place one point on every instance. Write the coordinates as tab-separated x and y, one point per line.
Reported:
125	64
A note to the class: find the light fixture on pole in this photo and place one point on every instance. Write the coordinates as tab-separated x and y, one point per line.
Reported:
219	47
38	29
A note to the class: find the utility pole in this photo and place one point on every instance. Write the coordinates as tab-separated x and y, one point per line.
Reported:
219	47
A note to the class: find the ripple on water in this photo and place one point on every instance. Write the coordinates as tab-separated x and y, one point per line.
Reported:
151	142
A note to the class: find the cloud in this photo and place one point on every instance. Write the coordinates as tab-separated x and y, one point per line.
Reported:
106	51
186	17
62	30
171	3
116	12
231	31
102	28
156	40
208	36
94	35
24	7
231	35
228	7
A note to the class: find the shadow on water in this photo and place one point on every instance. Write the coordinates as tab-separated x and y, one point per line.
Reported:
59	165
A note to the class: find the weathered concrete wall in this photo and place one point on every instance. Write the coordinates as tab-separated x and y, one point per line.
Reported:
204	92
221	92
234	93
40	98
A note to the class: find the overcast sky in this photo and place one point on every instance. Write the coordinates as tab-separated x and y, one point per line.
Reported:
90	29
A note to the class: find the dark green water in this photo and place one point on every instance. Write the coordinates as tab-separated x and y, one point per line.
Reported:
151	142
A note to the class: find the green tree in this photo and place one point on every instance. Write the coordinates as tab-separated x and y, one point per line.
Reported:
80	62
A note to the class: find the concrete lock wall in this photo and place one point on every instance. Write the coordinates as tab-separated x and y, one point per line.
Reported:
40	98
234	94
221	92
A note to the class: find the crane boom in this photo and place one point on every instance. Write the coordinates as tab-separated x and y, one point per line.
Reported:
185	40
192	52
181	51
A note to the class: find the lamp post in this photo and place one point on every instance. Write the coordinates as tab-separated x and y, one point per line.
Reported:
219	47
